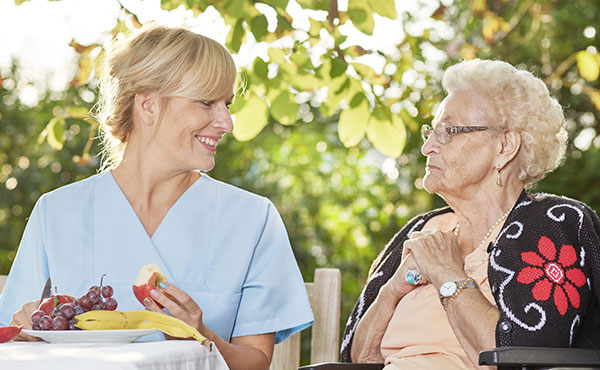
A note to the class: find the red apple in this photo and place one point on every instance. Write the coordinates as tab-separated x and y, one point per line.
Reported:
49	303
147	279
8	333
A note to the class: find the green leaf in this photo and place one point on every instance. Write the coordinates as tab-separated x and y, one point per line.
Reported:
387	132
168	4
361	16
260	68
370	73
251	118
276	55
314	4
338	67
235	8
284	109
315	27
236	36
258	26
19	2
77	112
301	59
334	95
352	124
357	100
55	131
283	24
276	3
85	69
589	66
385	8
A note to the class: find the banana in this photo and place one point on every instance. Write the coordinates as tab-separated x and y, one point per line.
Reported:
111	320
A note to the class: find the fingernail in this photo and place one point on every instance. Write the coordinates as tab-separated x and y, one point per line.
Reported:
147	301
163	285
154	293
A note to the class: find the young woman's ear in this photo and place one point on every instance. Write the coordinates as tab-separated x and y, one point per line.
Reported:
146	107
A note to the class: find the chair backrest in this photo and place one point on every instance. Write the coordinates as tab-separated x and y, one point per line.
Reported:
324	295
2	281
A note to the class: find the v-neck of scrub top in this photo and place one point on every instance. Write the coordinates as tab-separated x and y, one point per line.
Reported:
121	234
114	181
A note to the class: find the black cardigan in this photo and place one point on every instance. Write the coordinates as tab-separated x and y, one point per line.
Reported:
544	273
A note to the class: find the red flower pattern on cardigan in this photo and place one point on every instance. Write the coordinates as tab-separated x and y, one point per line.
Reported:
550	274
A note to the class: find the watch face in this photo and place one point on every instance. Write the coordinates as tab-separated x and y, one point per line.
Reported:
447	289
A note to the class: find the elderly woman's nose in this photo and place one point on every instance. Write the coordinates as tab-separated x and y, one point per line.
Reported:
430	146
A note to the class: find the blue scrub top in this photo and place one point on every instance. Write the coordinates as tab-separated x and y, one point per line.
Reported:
227	248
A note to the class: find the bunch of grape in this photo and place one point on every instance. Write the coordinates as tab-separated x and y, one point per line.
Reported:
62	317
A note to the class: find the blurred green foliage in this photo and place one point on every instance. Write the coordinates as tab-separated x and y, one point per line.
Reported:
340	197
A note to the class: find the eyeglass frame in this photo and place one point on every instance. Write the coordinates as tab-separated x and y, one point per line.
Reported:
452	130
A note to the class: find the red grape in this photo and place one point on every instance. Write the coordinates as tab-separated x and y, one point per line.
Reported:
62	317
93	296
45	322
79	310
110	304
67	311
85	302
36	316
60	323
107	291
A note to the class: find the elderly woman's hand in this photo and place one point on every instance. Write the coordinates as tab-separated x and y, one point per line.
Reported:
179	304
437	255
397	284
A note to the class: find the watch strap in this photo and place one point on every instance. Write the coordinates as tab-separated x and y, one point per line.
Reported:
462	285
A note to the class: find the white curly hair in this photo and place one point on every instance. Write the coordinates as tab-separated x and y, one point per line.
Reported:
524	105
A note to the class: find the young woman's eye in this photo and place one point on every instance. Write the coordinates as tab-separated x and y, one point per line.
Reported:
205	102
228	105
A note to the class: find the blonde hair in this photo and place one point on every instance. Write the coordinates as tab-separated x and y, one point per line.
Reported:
167	61
524	105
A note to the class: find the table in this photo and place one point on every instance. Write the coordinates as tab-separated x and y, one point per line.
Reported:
160	355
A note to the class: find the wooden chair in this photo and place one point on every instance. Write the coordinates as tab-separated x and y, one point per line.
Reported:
2	282
324	295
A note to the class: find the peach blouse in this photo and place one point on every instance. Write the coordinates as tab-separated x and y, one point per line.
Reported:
419	335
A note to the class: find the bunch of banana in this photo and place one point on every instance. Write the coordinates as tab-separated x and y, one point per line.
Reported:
107	320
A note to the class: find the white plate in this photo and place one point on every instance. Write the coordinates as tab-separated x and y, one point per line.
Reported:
89	336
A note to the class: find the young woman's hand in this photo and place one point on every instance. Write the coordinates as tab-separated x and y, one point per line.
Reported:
23	317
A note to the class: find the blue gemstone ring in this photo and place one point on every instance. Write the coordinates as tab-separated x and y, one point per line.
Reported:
413	277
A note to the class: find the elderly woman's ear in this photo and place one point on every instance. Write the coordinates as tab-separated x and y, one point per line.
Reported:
508	147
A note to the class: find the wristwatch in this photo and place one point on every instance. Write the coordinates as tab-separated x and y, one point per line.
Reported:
452	288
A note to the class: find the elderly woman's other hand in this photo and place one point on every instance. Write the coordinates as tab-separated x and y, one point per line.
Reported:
437	256
397	285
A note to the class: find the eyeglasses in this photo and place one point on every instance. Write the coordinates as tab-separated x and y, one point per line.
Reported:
443	132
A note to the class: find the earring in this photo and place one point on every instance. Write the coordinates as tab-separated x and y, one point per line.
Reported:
498	182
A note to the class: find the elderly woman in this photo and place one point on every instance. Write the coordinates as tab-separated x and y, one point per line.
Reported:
499	266
225	252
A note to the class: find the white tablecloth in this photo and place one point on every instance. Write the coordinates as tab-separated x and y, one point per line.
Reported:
163	355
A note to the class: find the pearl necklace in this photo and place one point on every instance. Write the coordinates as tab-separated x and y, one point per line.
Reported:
493	227
472	269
